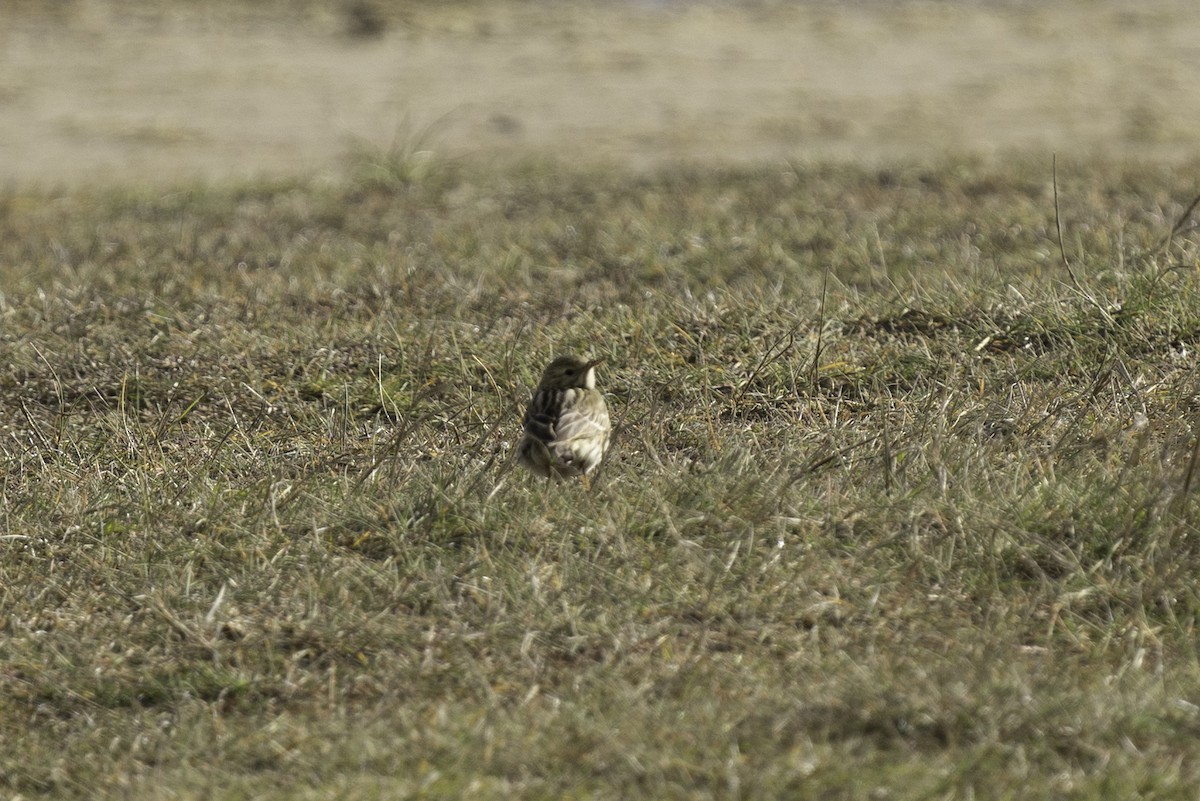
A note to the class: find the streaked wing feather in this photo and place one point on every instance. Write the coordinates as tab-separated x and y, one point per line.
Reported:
541	418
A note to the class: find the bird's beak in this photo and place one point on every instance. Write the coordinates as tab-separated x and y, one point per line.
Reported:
595	363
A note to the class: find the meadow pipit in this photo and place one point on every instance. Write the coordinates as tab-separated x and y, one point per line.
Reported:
566	424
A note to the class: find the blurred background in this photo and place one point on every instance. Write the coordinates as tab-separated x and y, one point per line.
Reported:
103	91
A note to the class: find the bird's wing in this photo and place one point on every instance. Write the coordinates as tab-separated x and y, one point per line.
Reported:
541	418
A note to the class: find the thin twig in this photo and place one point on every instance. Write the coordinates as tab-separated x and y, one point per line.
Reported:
1180	222
816	359
1062	251
769	356
1188	477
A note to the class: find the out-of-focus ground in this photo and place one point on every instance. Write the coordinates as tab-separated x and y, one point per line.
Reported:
96	92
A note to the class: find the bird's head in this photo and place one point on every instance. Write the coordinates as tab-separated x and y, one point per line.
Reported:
569	372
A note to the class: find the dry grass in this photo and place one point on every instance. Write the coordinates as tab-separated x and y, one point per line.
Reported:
111	91
894	511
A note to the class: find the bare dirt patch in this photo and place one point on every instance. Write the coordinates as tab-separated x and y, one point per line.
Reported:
97	94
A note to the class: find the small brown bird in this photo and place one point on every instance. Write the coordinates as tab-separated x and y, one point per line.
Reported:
566	424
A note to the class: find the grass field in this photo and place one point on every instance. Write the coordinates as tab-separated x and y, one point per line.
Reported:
902	498
897	508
